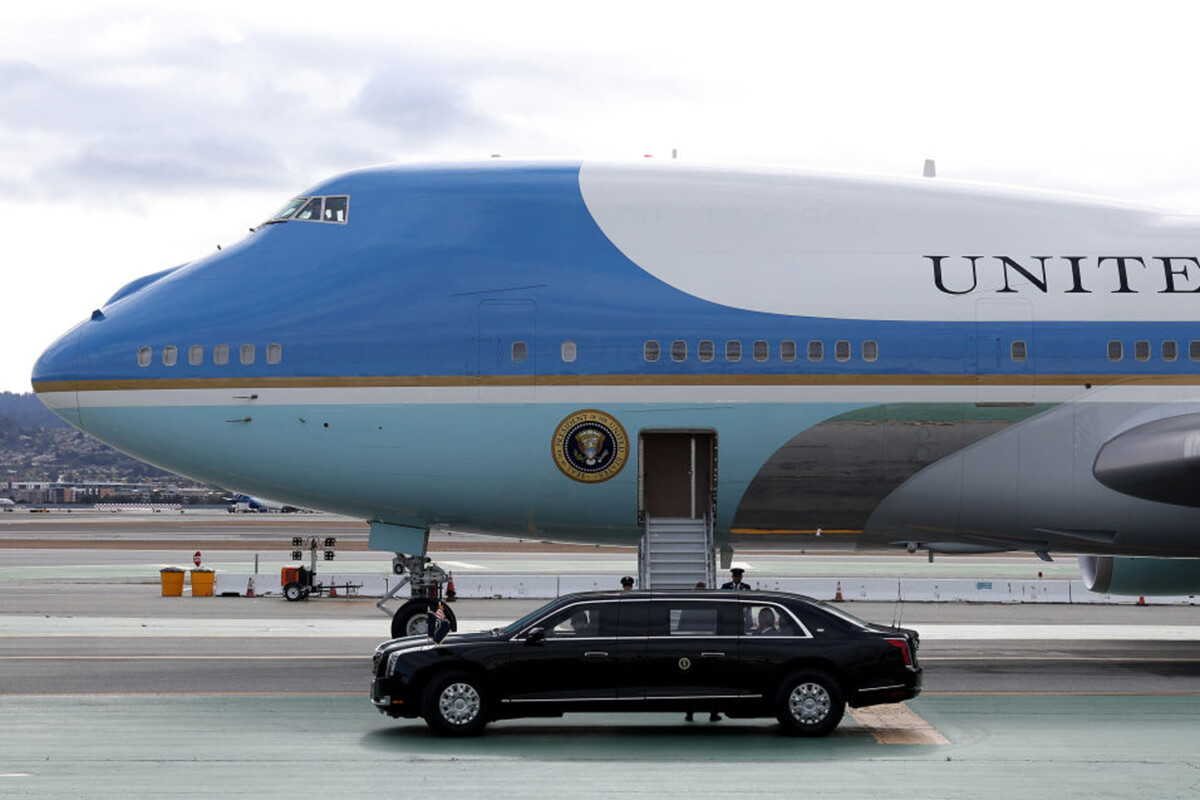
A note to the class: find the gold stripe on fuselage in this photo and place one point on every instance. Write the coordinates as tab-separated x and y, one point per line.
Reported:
468	381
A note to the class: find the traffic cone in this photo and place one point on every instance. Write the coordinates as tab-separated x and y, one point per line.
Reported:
450	593
837	598
332	590
1142	600
250	587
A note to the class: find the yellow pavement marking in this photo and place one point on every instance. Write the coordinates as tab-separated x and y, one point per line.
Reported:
1058	693
25	696
231	657
1068	658
896	723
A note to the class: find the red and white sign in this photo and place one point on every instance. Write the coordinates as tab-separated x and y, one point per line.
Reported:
196	558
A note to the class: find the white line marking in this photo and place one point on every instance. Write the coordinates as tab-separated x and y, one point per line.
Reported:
937	631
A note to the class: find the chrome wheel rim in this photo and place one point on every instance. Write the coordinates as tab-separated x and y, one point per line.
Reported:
459	703
809	703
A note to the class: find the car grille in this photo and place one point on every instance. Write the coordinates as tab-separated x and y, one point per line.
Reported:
377	662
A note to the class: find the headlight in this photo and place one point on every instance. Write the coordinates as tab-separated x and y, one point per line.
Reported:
394	657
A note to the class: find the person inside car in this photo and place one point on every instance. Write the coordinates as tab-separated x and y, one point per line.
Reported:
580	625
768	624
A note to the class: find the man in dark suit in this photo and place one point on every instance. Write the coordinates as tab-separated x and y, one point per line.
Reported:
736	584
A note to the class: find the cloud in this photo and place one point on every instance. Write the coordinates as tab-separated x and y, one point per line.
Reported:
419	106
117	163
175	102
272	109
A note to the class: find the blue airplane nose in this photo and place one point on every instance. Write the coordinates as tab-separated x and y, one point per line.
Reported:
56	376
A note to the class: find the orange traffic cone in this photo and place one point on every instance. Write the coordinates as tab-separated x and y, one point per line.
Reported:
250	587
450	593
837	598
1142	600
332	590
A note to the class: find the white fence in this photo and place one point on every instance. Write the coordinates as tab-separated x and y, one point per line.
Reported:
922	590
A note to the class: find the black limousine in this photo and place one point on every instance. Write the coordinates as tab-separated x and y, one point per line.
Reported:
743	654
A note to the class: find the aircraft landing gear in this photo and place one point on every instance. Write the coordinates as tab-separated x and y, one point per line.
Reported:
412	619
428	582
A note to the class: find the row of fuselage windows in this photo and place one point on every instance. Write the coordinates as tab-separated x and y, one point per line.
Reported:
760	350
678	351
195	355
1143	350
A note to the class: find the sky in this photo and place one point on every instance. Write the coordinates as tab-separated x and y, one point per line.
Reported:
135	136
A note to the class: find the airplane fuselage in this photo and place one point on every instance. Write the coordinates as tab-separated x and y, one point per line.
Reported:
529	349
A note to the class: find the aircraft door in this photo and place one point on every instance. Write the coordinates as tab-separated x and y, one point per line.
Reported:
677	475
505	351
1004	351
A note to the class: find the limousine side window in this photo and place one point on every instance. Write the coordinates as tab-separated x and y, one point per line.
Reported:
582	621
768	619
635	618
693	618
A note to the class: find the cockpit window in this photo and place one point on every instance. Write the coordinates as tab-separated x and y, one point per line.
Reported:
287	211
334	209
311	210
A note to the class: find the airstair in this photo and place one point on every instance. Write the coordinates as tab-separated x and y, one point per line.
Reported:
676	553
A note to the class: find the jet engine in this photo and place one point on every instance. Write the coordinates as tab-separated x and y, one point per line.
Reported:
1141	576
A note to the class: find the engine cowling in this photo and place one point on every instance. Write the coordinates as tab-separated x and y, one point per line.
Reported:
1141	576
1158	461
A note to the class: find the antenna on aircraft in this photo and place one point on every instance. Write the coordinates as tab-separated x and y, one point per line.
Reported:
930	168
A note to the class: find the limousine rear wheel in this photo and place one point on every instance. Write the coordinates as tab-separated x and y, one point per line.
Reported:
454	705
809	703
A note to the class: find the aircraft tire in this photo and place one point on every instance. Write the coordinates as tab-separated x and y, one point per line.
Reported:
809	703
409	619
454	704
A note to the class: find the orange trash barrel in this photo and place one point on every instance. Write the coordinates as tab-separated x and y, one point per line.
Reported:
202	582
172	581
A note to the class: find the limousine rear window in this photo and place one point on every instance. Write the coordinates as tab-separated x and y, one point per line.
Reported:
844	616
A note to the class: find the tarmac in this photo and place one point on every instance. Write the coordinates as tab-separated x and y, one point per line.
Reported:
108	688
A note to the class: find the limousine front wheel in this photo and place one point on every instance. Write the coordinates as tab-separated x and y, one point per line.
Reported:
809	704
454	705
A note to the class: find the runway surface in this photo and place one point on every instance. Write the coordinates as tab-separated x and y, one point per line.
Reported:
107	688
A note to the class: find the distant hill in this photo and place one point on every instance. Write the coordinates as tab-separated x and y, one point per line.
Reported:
28	412
36	445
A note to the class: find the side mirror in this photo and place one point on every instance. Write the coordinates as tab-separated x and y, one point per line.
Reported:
535	636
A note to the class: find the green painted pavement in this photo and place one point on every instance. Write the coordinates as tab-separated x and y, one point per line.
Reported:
271	746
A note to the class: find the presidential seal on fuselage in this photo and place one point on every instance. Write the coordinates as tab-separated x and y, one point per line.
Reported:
590	446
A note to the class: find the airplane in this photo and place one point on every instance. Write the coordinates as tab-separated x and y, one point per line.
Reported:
244	503
7	503
647	353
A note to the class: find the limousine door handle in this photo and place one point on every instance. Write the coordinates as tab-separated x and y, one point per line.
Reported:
712	655
595	654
